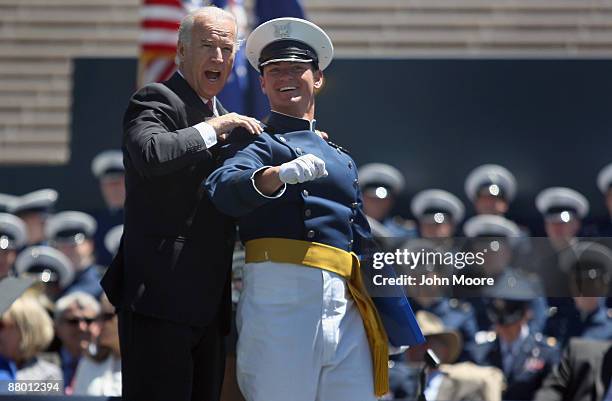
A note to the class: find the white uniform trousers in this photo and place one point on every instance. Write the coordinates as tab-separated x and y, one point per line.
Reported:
301	338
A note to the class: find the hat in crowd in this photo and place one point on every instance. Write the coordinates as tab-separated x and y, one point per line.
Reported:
113	238
41	201
47	263
70	226
7	202
509	299
491	180
437	206
604	179
380	180
109	162
590	259
562	204
13	234
289	39
12	288
488	225
433	327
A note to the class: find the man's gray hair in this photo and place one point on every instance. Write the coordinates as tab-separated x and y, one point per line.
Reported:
186	26
82	299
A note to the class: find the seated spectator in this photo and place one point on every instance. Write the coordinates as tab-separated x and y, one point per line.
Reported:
75	316
26	330
524	357
72	233
451	381
99	371
583	374
588	268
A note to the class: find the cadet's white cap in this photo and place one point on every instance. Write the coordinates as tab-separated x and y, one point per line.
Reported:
7	202
496	179
13	234
434	201
561	203
112	239
289	39
604	179
488	225
107	162
42	200
48	262
377	176
66	225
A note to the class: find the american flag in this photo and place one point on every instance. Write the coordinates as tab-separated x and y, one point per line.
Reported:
160	20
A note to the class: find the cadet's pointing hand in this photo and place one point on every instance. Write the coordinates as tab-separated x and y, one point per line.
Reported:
305	168
227	122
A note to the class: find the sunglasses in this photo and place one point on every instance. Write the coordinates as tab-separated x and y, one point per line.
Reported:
77	320
105	317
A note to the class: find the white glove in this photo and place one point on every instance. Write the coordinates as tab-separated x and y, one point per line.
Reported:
305	168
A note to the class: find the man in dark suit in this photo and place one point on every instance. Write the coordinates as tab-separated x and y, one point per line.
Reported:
170	279
582	375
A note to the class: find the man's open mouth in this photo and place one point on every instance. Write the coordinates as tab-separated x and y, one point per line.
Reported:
212	75
287	88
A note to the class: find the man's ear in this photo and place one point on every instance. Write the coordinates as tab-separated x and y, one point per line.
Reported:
318	79
262	84
180	51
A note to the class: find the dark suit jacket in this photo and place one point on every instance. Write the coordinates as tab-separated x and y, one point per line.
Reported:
175	255
582	375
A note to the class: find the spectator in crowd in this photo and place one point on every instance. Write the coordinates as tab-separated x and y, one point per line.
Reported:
34	208
583	374
170	278
450	381
52	269
99	370
438	212
108	168
75	324
13	237
25	332
563	210
72	233
380	185
499	236
523	356
491	188
588	267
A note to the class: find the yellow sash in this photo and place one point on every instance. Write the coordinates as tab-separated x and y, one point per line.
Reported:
345	264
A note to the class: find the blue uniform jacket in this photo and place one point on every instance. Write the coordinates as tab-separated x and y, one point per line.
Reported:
326	210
